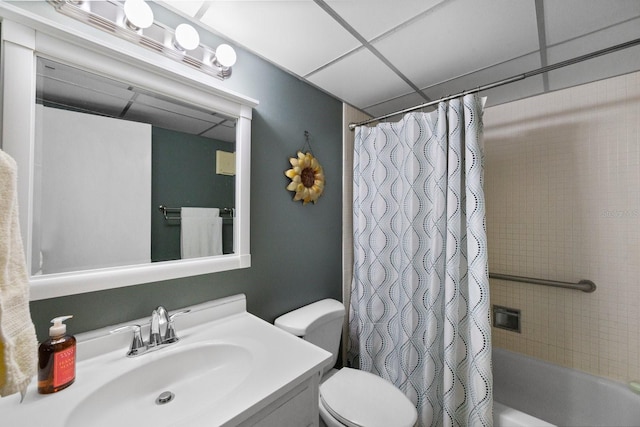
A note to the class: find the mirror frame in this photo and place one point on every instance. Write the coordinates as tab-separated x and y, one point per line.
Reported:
25	36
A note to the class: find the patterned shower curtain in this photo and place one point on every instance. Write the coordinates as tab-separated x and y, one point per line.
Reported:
419	314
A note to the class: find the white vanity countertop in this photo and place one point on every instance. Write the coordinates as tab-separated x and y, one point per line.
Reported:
273	362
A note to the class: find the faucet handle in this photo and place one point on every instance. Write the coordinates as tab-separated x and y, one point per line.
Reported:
179	313
170	335
159	321
137	344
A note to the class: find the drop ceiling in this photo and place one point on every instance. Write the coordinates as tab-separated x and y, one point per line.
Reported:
381	56
63	86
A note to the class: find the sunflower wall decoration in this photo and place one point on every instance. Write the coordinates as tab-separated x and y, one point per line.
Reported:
307	176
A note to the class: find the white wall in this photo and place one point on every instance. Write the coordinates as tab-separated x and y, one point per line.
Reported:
96	187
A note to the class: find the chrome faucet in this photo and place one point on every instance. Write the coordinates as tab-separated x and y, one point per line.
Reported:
161	332
158	323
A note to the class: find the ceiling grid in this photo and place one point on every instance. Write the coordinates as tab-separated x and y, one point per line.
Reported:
386	55
542	40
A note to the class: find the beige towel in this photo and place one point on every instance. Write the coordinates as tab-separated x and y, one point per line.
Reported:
18	344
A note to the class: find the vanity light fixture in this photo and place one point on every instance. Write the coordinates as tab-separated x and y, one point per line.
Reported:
138	15
133	20
186	38
225	56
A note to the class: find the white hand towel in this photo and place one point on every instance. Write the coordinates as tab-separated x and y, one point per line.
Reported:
200	232
18	344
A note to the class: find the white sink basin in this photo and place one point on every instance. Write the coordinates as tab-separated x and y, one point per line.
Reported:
193	378
229	369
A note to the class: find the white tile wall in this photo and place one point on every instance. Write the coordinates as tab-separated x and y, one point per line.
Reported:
562	184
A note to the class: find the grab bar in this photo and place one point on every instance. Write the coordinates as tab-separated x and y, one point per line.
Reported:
173	214
583	285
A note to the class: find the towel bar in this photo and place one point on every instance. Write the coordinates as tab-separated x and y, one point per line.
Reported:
173	214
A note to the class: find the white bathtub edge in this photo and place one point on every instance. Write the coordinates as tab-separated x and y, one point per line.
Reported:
504	416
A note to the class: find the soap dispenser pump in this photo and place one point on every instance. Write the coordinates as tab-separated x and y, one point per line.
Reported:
57	359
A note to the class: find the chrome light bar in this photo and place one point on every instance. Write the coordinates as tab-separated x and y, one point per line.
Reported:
110	16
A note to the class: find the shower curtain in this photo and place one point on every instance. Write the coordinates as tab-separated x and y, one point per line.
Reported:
419	312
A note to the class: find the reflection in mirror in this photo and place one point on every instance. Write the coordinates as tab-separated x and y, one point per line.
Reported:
107	156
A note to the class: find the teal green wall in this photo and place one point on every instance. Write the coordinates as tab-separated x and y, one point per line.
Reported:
295	249
183	173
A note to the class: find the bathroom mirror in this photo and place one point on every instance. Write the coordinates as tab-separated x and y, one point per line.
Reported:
116	166
181	116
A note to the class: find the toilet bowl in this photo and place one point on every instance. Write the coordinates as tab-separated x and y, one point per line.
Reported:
348	397
356	398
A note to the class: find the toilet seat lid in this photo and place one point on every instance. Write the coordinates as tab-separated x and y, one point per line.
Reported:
361	399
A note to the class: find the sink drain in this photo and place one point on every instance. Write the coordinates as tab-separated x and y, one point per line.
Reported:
164	398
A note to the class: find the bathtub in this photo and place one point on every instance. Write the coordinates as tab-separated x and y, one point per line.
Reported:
528	390
504	416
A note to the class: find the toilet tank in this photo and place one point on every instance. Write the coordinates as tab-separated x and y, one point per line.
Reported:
320	323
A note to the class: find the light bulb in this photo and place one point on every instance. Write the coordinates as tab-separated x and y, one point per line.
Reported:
225	56
138	14
186	37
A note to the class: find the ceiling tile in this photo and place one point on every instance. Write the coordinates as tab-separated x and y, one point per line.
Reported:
494	74
517	90
372	18
67	95
73	88
187	7
613	64
297	35
221	133
395	104
463	36
521	89
360	79
567	19
54	71
166	119
179	109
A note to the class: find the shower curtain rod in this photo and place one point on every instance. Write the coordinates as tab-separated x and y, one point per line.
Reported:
507	81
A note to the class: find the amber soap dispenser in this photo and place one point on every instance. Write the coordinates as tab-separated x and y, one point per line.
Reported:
57	359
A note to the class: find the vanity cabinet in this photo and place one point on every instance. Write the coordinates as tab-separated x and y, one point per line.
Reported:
296	408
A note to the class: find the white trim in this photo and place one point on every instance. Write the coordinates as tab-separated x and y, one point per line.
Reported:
55	285
18	115
24	37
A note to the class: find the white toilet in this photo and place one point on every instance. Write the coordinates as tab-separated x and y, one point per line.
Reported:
348	397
